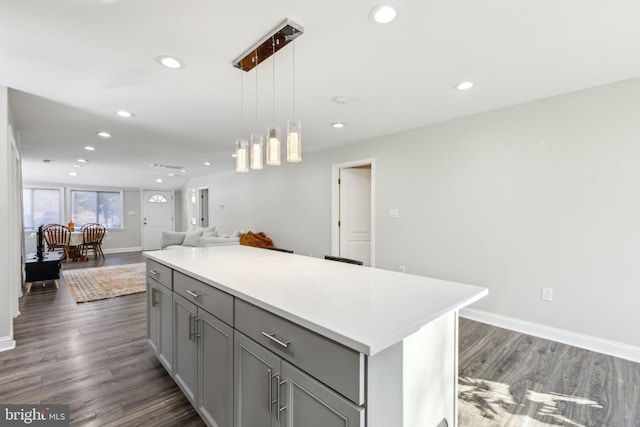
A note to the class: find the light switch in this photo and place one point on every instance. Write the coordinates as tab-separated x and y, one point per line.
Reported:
394	213
131	213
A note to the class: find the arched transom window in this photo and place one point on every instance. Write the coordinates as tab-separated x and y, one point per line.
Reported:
158	198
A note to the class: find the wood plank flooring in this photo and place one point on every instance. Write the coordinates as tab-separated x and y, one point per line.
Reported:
511	379
91	356
95	358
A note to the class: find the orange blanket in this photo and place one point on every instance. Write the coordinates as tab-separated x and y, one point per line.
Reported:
258	240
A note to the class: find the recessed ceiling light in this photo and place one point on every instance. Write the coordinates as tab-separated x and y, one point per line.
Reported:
124	113
83	160
184	170
90	148
383	14
207	163
464	85
342	100
158	180
337	125
77	166
103	134
171	174
73	174
170	62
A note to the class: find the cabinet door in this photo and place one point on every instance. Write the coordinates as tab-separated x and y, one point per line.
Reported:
184	354
215	370
309	403
164	302
153	316
256	375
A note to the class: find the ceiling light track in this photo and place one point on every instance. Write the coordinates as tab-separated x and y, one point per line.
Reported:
282	35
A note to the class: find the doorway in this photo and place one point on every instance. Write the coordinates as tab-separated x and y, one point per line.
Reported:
157	216
353	211
203	207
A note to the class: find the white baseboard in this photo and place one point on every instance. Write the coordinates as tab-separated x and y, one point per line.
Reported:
7	343
612	348
122	250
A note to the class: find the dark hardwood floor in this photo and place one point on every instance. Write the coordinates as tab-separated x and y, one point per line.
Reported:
95	358
91	356
512	379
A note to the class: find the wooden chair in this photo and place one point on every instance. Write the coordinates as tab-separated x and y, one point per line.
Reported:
92	235
340	259
57	237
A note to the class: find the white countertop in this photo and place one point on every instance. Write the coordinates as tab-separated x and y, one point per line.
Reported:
366	309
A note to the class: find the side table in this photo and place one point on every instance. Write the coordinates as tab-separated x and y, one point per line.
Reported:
47	268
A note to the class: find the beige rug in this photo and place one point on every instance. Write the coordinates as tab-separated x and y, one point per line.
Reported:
92	284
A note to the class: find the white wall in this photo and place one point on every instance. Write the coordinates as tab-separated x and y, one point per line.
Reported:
541	194
8	245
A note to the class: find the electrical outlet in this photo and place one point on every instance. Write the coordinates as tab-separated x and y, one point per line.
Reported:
547	294
401	269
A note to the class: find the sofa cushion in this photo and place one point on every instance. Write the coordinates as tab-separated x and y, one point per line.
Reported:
191	238
172	238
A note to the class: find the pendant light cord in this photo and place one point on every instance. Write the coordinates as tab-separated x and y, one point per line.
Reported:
273	63
294	79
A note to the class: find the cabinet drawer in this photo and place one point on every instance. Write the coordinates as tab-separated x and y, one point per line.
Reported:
335	365
216	302
160	273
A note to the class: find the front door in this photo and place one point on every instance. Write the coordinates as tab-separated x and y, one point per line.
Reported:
157	216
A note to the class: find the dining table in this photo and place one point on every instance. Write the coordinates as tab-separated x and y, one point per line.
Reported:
75	241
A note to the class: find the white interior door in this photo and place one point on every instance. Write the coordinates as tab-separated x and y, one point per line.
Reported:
157	216
355	214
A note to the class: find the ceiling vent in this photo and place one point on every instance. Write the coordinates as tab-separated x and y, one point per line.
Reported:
158	165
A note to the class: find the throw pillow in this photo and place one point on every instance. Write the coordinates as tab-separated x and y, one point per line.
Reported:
172	238
210	234
191	238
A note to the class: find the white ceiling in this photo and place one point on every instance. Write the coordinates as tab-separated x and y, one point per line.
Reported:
73	63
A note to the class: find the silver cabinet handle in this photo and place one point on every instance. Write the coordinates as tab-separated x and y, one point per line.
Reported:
269	391
153	297
280	409
193	294
190	326
153	272
196	326
273	338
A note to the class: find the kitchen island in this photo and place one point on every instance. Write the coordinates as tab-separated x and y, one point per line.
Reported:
340	344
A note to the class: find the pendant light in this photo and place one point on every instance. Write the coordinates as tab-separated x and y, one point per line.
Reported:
273	132
294	126
241	144
257	139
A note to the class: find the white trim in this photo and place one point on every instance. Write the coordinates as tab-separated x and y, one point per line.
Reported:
7	343
122	250
335	204
611	348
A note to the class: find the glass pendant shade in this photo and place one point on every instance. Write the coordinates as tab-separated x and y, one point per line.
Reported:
273	146
294	141
242	155
256	151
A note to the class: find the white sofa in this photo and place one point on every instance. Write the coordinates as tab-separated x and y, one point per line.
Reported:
198	238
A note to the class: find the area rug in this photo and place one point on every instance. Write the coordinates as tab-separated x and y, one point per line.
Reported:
93	284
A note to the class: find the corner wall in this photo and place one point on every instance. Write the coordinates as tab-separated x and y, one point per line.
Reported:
540	194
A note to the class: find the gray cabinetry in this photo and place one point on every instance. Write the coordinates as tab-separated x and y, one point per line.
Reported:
185	351
309	403
256	370
160	318
203	366
271	392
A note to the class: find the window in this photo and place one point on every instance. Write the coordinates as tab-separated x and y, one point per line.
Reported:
158	198
103	207
41	206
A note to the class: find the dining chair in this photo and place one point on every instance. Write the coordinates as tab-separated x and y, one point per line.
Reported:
57	237
341	259
92	235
